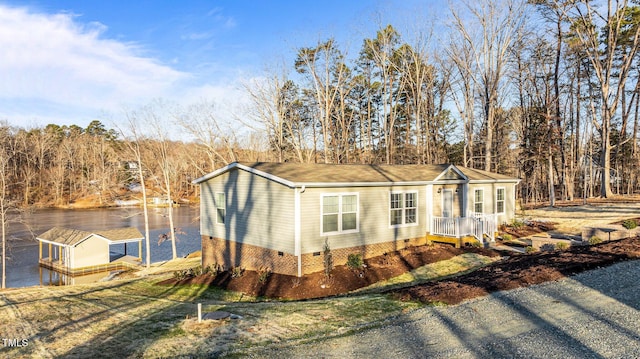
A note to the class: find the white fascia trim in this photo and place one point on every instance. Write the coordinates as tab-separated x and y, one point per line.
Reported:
245	168
455	169
52	242
133	240
359	184
214	173
445	182
516	181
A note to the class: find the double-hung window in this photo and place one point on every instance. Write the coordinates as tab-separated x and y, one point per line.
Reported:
499	200
478	201
403	208
339	213
221	207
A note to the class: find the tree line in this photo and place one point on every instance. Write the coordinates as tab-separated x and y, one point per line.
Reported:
543	90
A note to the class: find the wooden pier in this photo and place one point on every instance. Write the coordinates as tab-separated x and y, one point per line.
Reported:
121	264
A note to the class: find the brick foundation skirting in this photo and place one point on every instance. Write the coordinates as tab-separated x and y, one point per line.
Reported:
231	254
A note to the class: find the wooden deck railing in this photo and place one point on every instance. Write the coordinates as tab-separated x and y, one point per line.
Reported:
464	226
62	268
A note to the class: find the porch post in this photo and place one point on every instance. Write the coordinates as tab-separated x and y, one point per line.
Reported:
60	255
429	208
140	251
465	198
50	253
457	227
40	253
297	227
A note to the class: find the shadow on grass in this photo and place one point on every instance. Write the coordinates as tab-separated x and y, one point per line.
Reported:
143	316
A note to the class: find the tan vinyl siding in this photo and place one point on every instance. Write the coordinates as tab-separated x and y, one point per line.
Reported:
258	212
490	192
457	199
373	218
92	251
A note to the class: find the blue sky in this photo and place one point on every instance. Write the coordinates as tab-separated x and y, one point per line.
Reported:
70	62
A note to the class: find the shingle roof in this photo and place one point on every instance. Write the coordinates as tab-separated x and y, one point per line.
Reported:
71	237
302	173
329	173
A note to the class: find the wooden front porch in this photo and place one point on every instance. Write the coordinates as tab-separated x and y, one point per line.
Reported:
458	230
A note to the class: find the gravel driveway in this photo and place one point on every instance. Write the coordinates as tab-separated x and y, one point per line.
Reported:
591	315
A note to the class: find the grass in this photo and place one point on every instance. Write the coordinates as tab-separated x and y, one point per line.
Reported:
456	265
135	317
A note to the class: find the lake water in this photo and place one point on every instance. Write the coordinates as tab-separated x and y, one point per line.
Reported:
22	255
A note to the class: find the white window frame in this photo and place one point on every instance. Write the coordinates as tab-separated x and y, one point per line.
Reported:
217	208
340	213
403	209
475	202
503	200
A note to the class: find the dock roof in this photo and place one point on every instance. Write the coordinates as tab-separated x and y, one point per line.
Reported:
72	237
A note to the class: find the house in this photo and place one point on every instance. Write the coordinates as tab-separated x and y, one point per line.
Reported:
281	216
77	252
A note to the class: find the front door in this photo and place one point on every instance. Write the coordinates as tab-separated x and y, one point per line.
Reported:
447	203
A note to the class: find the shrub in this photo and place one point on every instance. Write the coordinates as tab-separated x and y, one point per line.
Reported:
295	282
548	247
530	249
517	223
507	237
213	269
180	274
354	261
328	259
263	275
562	246
187	273
237	272
198	270
595	240
630	224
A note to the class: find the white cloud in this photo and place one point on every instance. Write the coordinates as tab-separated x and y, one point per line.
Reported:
55	60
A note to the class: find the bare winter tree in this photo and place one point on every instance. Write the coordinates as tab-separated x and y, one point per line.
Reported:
326	74
4	200
274	107
155	118
382	51
201	121
487	29
462	81
134	140
611	45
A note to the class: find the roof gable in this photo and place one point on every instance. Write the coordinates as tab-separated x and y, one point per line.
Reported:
451	174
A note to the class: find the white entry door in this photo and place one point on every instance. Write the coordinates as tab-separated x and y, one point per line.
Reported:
447	203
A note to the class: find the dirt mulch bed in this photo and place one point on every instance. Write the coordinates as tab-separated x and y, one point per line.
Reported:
342	279
528	229
521	271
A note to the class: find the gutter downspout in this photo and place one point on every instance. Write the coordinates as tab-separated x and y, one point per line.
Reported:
298	227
